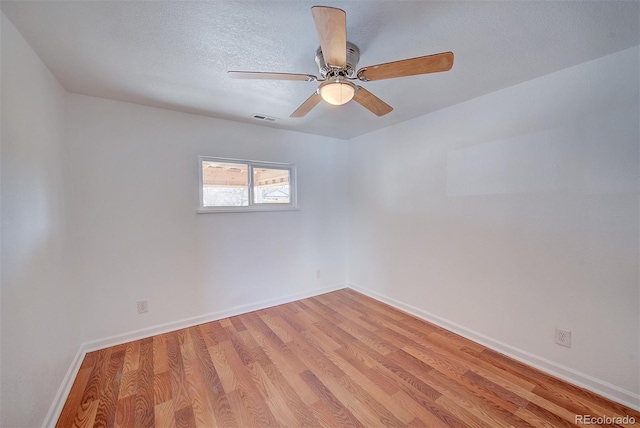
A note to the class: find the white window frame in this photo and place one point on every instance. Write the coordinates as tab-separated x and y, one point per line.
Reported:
252	207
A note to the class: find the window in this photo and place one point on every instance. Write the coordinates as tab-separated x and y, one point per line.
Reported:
242	185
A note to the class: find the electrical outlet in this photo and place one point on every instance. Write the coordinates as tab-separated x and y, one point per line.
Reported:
142	306
318	273
563	337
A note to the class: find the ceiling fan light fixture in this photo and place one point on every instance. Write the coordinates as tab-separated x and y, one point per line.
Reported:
337	59
337	91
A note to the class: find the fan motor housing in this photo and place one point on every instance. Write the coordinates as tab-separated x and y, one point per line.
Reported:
353	56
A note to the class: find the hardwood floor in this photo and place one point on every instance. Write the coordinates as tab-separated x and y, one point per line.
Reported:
340	359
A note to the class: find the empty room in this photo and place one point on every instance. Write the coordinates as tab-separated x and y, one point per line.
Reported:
343	214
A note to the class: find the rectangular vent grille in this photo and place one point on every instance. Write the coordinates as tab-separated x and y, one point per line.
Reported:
264	117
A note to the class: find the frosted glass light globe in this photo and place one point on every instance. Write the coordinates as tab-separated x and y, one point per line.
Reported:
337	92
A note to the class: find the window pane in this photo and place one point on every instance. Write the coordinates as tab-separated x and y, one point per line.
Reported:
225	184
271	186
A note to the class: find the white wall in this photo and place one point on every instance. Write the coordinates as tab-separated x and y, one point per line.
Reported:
39	311
511	214
132	194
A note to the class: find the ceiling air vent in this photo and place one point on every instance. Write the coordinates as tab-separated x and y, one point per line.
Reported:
264	117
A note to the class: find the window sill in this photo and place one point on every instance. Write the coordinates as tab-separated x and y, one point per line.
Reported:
246	209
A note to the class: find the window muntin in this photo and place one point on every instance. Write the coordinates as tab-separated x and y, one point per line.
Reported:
243	185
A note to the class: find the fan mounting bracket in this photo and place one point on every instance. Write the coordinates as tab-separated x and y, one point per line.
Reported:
361	75
348	71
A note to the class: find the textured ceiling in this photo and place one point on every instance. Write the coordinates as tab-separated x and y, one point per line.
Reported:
175	54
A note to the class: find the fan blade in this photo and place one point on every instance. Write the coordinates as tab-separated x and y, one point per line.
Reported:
306	106
408	67
271	76
331	24
372	103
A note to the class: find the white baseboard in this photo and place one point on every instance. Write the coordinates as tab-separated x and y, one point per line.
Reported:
63	391
608	390
61	396
201	319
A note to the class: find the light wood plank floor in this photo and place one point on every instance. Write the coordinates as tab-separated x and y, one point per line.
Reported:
340	359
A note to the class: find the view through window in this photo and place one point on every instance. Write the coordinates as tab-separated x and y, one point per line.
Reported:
271	186
227	183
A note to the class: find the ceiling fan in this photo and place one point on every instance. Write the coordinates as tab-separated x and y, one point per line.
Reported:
337	59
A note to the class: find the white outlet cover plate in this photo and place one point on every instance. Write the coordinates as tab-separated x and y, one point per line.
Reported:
563	337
